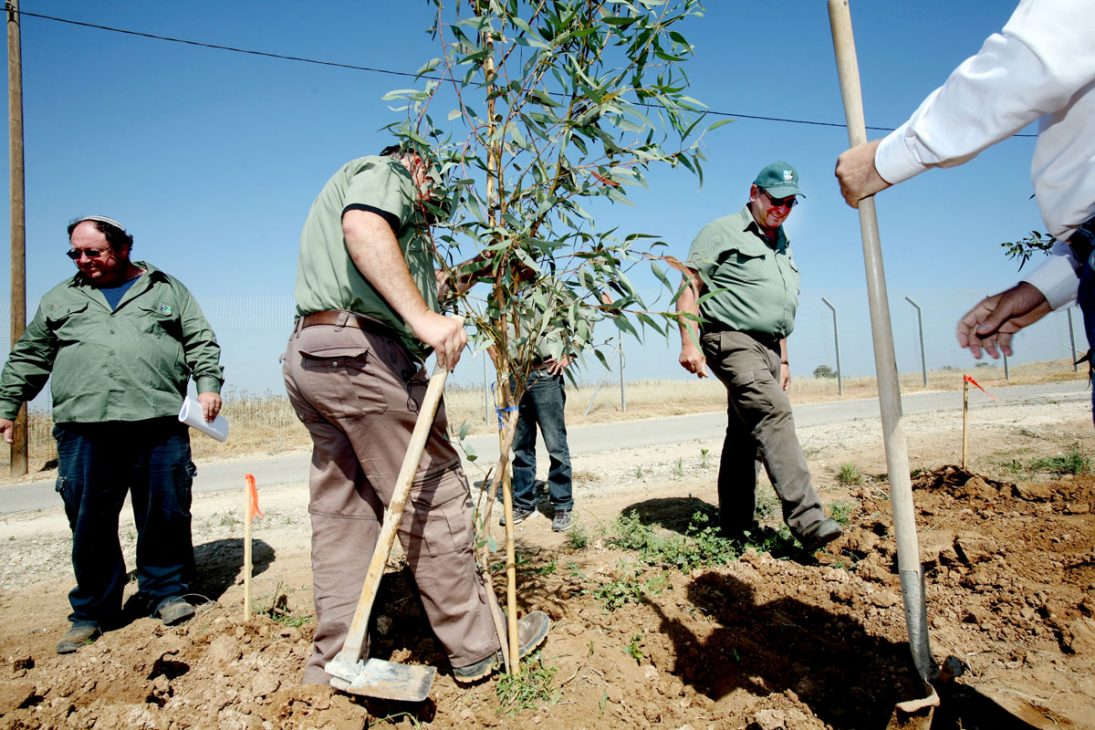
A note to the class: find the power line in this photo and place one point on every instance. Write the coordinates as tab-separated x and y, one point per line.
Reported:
390	72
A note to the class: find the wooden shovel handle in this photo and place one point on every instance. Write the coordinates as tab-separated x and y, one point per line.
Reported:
355	637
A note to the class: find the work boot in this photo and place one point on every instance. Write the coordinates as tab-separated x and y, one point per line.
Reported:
78	635
820	534
174	610
532	629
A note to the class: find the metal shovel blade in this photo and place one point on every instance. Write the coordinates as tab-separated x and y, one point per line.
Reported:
381	679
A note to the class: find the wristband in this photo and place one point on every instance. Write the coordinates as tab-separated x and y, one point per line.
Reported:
784	362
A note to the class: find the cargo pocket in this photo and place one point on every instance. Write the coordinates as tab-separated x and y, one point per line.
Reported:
442	523
343	381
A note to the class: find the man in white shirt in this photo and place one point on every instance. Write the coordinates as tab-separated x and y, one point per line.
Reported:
1041	67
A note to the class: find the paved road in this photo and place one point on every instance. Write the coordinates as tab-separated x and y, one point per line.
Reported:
293	468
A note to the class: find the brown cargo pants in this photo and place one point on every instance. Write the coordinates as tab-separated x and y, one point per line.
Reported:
358	394
760	426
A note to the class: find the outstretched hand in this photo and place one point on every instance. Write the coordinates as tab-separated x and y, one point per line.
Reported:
857	175
989	326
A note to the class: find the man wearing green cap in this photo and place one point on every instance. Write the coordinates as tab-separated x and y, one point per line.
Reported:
744	261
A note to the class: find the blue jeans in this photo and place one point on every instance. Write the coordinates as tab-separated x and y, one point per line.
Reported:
98	464
1085	296
542	405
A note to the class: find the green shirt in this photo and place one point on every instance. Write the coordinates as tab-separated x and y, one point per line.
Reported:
127	364
753	284
326	275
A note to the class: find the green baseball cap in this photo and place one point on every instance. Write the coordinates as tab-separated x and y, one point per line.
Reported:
779	179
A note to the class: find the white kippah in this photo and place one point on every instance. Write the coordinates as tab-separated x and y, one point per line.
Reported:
103	219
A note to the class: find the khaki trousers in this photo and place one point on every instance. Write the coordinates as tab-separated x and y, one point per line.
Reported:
358	394
760	426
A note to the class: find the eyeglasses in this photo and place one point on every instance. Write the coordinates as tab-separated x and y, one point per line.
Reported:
91	253
789	202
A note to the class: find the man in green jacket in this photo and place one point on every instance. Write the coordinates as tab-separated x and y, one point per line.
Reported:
741	288
120	340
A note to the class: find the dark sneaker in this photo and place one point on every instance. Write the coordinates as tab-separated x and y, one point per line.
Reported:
562	521
820	534
519	516
174	610
532	629
78	636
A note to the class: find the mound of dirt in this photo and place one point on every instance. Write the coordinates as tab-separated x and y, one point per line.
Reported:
771	639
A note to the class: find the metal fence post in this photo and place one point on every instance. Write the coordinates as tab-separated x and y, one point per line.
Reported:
920	327
836	345
1072	339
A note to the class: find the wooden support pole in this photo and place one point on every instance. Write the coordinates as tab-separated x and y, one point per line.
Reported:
247	558
19	446
965	421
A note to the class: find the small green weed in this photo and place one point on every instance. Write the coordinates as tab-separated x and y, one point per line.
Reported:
531	688
638	472
700	546
629	588
577	537
546	569
678	468
848	475
841	512
1074	462
279	612
704	453
635	648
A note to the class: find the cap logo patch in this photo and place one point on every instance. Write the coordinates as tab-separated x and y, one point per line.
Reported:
788	176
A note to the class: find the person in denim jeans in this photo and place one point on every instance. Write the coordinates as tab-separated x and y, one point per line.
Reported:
119	342
543	407
553	342
1040	68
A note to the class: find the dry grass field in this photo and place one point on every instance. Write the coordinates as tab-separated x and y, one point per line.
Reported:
266	424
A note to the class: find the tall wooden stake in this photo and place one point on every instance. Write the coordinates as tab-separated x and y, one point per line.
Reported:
247	550
19	456
965	421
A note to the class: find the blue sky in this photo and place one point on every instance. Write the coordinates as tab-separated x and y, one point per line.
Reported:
212	158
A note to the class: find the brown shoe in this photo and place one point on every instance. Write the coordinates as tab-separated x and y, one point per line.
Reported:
532	629
78	635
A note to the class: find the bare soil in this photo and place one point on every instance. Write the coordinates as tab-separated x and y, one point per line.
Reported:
772	639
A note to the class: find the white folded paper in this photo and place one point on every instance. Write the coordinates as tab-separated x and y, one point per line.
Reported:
191	415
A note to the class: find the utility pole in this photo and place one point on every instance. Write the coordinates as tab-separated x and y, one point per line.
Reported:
18	220
920	326
836	345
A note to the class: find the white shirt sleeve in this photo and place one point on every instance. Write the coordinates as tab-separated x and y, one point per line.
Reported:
1058	277
1030	69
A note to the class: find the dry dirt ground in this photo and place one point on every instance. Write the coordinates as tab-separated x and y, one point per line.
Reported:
770	639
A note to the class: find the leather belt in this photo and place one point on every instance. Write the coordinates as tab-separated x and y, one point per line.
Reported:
341	318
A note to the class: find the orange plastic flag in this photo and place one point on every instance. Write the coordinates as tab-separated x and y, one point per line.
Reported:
253	510
968	379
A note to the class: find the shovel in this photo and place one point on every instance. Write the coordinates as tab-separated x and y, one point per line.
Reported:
376	677
918	711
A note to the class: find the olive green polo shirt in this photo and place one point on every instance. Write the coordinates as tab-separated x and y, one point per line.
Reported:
326	275
753	285
130	363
